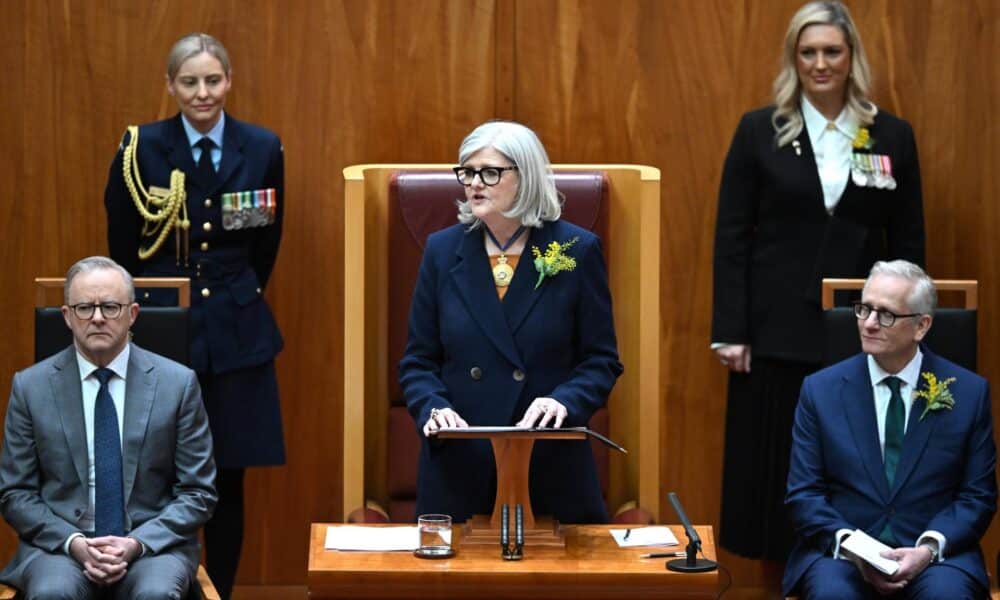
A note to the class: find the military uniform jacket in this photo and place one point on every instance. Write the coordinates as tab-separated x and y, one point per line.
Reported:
231	325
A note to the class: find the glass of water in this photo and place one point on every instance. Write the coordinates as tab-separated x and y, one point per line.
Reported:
435	536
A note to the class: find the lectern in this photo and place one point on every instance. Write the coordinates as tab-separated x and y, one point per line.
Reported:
512	453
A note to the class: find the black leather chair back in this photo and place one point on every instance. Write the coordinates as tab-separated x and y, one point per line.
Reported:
952	335
163	330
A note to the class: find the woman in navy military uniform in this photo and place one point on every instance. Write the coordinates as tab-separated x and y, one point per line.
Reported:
200	195
494	341
821	184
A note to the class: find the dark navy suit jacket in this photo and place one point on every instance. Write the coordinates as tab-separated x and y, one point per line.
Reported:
561	337
233	332
945	480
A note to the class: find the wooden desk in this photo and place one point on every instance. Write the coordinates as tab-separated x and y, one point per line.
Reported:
591	567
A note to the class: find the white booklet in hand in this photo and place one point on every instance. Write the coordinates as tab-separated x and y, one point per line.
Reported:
867	549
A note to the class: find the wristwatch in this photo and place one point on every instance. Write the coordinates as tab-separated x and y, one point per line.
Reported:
933	551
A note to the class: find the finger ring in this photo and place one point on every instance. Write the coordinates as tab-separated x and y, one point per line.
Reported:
434	413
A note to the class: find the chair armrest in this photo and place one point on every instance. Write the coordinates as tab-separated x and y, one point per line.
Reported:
631	513
208	591
371	512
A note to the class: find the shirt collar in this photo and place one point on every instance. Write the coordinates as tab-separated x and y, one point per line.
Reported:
215	133
910	373
816	123
119	365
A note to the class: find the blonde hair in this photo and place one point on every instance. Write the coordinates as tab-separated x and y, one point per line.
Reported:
787	117
194	44
537	199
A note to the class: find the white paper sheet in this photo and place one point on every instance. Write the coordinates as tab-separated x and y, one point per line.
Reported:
657	535
372	539
867	548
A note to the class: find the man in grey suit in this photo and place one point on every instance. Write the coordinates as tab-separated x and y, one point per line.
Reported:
106	472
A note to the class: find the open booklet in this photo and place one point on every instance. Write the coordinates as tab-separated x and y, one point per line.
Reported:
867	548
491	429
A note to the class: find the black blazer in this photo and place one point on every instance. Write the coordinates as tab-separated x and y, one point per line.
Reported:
775	241
232	326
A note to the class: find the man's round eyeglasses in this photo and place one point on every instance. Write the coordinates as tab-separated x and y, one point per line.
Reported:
885	317
110	310
488	175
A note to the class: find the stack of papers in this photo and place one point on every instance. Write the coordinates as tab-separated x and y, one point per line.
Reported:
372	539
658	535
867	548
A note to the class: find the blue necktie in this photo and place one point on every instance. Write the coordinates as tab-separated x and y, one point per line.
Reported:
206	169
894	421
109	497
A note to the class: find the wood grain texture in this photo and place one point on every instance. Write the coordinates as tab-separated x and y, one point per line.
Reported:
348	81
590	567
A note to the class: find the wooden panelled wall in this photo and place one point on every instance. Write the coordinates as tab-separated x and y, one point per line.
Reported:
660	82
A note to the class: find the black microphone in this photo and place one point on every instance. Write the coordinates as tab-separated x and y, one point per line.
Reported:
691	564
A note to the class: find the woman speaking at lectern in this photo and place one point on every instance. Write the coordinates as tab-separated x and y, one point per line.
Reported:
510	324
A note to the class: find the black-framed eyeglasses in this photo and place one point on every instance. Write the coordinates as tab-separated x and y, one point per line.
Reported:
488	175
886	318
110	310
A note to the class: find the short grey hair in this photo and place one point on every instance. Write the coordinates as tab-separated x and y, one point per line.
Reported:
194	44
537	199
96	263
923	298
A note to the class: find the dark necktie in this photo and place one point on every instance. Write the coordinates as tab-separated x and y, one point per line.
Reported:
109	498
894	418
206	170
894	421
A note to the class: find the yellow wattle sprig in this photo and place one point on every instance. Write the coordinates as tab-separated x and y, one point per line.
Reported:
936	394
554	261
862	139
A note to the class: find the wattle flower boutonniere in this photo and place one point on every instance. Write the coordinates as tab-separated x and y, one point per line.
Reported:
936	394
554	261
862	139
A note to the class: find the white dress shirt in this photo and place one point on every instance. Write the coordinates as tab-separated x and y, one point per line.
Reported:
832	145
215	134
910	376
89	386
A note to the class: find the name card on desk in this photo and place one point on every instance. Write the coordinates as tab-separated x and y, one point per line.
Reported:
372	539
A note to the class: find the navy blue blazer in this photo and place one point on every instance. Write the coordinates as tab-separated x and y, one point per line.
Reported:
489	359
232	326
775	241
945	480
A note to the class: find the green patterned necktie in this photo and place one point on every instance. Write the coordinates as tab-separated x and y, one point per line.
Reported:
894	421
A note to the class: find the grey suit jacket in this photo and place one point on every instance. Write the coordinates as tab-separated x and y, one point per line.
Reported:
166	457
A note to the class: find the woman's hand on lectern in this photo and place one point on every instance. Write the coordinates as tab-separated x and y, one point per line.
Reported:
544	411
443	417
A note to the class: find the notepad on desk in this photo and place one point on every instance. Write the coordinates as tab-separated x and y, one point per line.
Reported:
372	539
657	535
867	548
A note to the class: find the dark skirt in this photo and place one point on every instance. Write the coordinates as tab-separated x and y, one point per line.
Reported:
759	416
244	415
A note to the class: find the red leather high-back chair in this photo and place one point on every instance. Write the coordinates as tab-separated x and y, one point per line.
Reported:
389	210
420	203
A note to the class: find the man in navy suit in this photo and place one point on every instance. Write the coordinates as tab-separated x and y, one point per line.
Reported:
877	446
